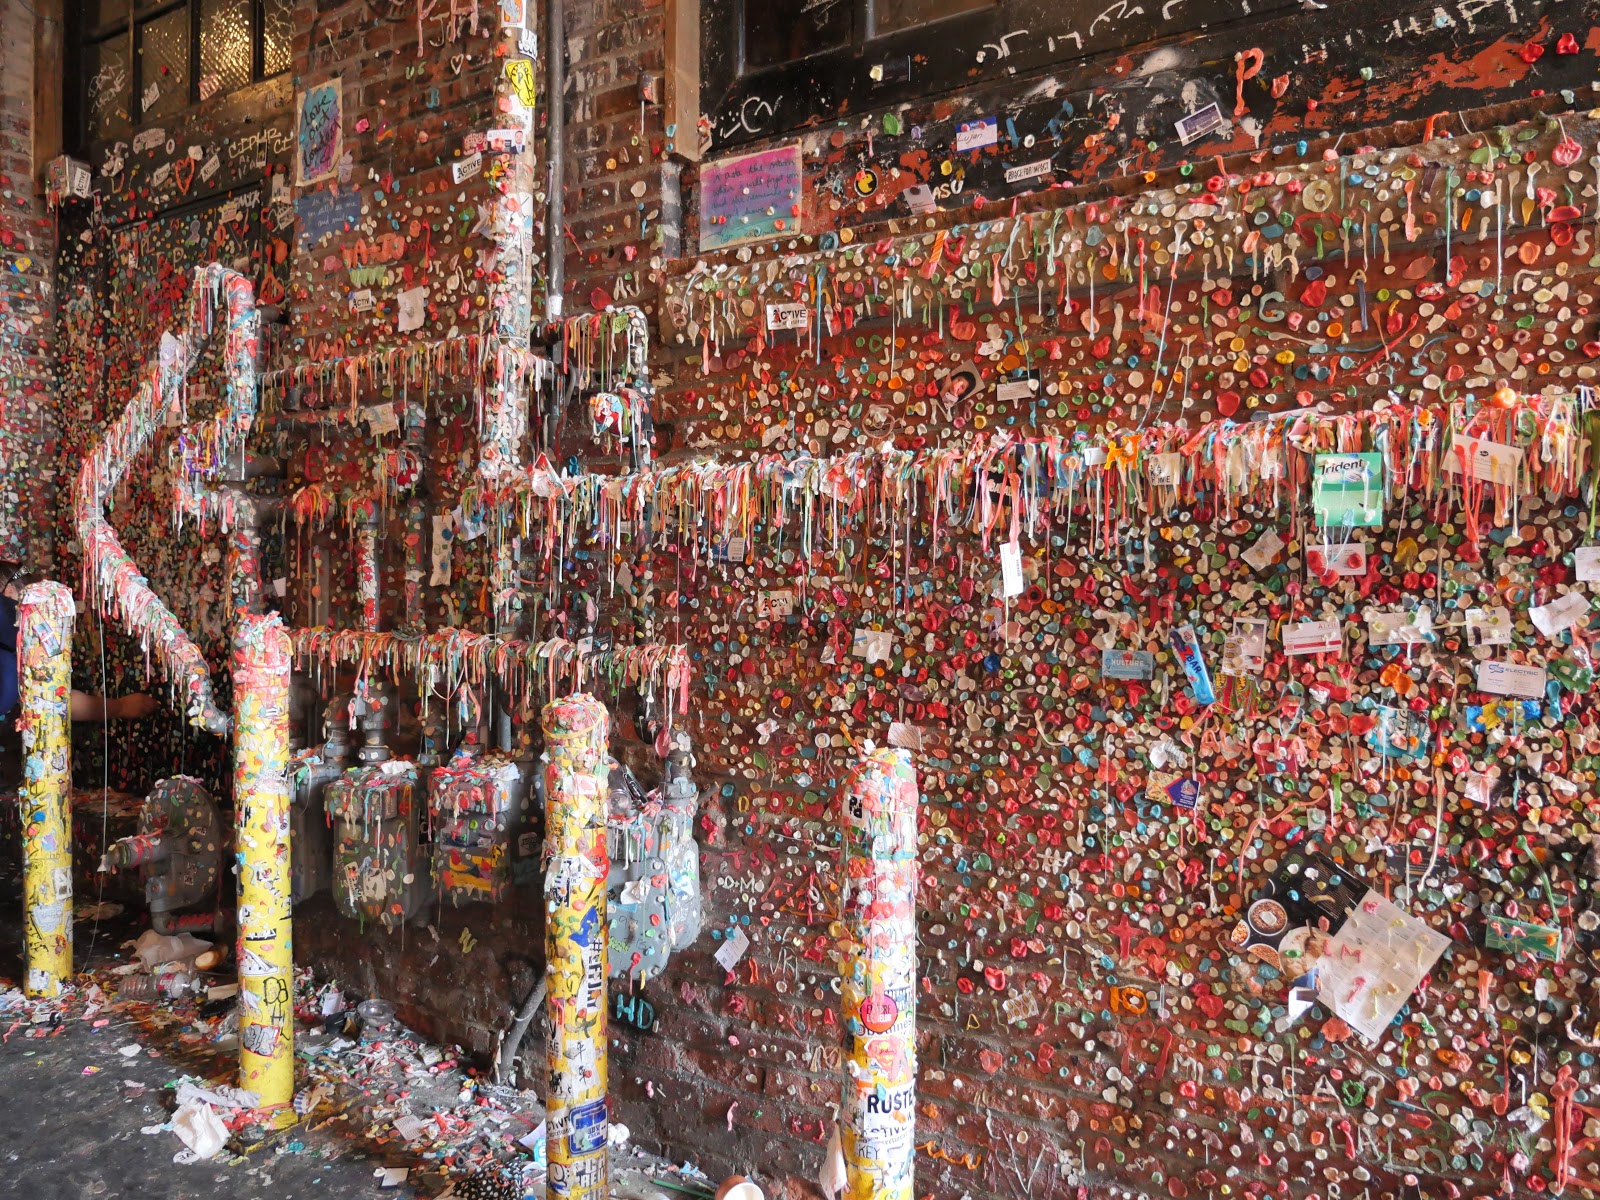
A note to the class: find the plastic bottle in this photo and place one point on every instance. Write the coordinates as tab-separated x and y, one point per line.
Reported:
177	985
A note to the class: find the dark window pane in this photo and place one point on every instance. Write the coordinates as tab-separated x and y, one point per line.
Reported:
779	31
225	46
164	65
106	88
894	15
279	33
99	13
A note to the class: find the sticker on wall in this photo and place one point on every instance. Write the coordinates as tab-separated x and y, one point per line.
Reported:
749	197
524	82
1199	123
1127	664
787	316
1029	171
319	132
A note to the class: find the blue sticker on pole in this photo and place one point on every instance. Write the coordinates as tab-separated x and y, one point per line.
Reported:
588	1131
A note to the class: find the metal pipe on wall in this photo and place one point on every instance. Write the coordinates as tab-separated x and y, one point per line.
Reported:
369	586
576	865
879	974
261	652
44	670
555	120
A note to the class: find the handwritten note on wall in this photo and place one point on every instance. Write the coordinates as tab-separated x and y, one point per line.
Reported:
319	133
750	197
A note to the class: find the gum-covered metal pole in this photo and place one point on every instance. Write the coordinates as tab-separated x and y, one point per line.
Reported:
44	666
368	585
576	867
261	652
879	969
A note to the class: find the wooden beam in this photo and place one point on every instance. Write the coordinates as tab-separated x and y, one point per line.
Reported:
681	113
49	47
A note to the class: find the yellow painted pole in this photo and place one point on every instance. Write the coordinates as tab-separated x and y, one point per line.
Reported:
261	832
576	865
44	679
879	977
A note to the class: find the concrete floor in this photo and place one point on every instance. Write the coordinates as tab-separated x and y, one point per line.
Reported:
71	1135
72	1107
77	1098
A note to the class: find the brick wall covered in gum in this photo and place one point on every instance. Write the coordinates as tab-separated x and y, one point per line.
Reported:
754	1052
27	270
410	97
1013	1106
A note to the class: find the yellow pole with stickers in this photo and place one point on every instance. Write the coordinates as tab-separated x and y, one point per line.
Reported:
261	652
576	865
879	977
44	681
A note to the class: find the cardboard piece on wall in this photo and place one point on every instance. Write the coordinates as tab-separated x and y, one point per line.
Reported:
1347	490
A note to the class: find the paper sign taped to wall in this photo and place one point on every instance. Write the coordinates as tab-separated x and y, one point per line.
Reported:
1011	580
1490	462
749	197
1313	637
1346	561
1374	963
1488	627
1560	614
732	950
1586	561
413	309
319	132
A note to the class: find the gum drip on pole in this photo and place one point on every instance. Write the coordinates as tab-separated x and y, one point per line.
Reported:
879	974
44	662
576	866
261	650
